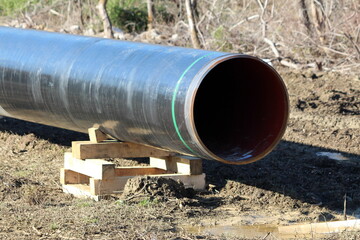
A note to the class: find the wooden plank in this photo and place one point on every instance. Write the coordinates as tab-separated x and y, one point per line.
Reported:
178	164
96	168
70	177
111	149
321	228
96	135
116	185
101	187
80	191
195	181
135	171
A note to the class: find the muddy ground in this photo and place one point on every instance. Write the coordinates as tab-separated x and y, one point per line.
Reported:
296	183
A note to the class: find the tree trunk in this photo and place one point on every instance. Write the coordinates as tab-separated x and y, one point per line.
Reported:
319	19
305	17
105	18
192	29
150	9
81	17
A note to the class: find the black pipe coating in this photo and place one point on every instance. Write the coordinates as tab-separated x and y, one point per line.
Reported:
228	107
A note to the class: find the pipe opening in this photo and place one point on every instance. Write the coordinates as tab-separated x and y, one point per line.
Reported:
241	110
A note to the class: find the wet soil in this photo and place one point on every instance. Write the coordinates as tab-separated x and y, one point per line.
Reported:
310	176
155	189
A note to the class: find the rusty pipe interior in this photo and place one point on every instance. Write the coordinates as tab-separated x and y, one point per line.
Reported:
241	110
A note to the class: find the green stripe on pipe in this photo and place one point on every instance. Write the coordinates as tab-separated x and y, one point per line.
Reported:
174	99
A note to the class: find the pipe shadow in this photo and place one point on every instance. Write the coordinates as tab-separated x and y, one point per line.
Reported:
292	169
52	134
300	171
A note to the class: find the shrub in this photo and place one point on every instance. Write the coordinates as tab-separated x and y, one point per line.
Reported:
130	19
131	15
163	15
10	7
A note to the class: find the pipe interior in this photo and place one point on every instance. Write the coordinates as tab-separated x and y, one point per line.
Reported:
240	109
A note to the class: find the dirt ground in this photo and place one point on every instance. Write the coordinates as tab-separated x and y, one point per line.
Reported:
297	183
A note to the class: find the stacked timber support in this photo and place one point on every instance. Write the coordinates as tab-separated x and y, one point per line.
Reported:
87	174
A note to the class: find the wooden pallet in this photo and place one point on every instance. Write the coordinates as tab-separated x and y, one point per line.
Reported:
86	174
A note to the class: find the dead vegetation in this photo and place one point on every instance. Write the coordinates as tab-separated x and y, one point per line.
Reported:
296	183
315	34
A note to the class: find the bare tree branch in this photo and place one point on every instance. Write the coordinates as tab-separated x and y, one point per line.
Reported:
273	47
244	20
263	22
150	9
105	18
193	32
351	39
319	19
305	16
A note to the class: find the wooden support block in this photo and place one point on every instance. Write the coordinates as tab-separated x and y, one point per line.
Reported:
136	171
196	182
116	185
96	135
95	168
70	177
102	187
110	149
182	164
85	175
80	191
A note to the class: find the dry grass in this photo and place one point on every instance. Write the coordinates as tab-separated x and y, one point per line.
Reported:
292	179
233	26
33	205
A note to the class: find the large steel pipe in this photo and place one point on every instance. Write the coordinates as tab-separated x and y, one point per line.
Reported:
215	105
